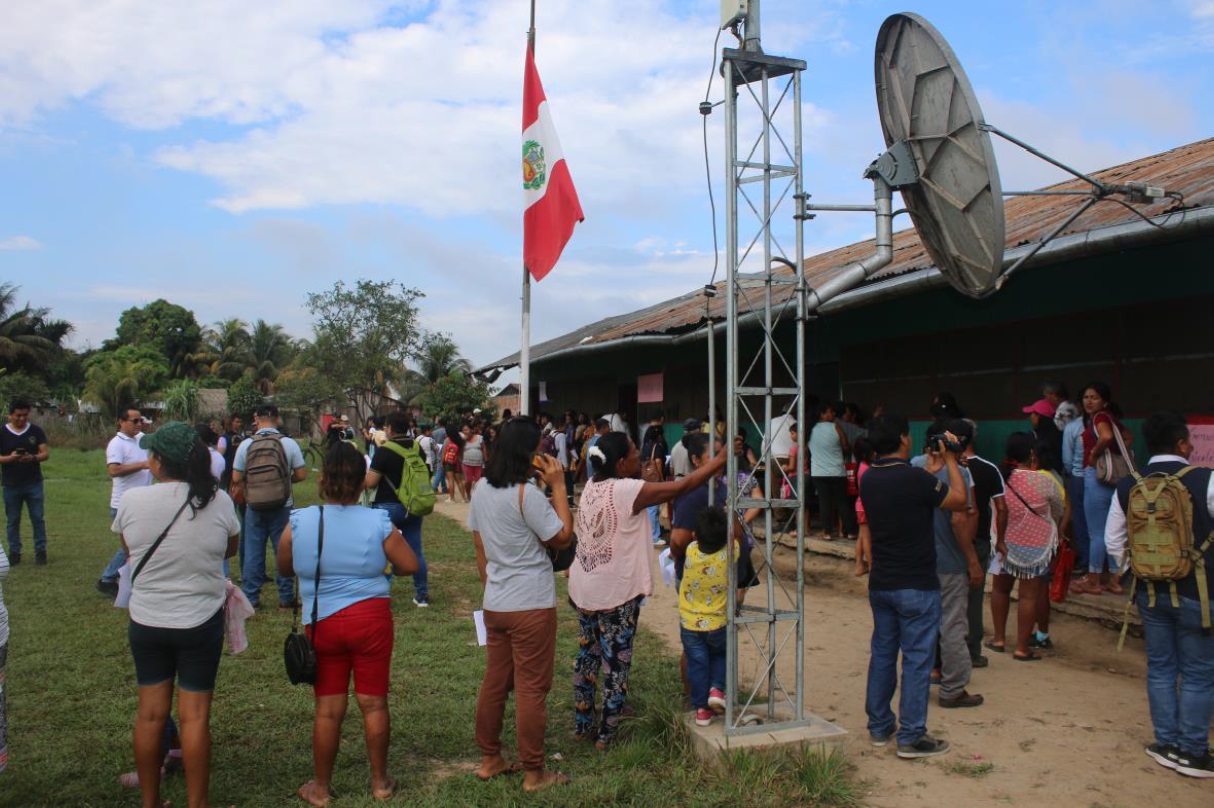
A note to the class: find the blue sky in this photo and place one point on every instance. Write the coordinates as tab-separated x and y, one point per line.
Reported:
232	157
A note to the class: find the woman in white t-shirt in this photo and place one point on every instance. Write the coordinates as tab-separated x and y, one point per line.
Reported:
513	525
176	533
612	573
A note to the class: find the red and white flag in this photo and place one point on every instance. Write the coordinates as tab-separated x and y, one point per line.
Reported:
551	203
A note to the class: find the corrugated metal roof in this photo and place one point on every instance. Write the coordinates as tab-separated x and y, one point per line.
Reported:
1188	170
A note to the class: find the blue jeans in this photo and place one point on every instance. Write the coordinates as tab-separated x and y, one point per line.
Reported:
258	527
705	652
655	524
31	495
110	573
1079	520
411	528
906	620
439	483
1180	672
1097	497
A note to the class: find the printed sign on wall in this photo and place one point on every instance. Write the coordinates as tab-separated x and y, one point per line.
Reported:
649	388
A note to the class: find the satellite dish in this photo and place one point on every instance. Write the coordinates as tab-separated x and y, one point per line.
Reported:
928	108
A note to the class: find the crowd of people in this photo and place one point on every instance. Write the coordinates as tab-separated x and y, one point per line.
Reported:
930	524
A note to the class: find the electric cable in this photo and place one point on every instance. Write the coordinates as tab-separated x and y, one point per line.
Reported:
712	204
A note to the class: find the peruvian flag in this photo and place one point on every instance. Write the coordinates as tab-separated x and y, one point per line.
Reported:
552	207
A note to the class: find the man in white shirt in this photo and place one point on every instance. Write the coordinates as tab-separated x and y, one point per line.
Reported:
127	465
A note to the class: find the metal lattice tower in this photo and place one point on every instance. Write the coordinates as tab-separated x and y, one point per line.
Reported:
765	377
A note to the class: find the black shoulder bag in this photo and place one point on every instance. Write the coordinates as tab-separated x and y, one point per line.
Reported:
298	653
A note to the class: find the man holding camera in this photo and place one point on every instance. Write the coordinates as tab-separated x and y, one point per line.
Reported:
957	564
903	589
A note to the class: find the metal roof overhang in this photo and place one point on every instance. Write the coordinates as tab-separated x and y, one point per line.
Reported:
1138	233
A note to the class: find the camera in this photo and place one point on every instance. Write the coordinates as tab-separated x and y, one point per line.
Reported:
940	444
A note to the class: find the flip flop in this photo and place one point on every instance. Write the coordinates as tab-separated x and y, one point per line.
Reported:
513	768
1029	657
998	649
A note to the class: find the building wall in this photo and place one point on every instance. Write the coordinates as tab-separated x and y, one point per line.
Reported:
1136	320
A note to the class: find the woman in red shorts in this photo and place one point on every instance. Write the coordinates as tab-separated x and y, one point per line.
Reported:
352	630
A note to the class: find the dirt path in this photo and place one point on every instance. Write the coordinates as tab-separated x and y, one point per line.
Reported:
1066	731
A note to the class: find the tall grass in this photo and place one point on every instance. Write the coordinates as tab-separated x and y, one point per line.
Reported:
72	698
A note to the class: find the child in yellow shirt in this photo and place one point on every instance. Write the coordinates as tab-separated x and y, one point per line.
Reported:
703	599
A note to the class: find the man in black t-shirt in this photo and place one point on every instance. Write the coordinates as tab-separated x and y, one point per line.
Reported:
988	499
903	588
23	450
383	478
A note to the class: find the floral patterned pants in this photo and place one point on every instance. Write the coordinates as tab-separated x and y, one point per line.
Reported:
604	644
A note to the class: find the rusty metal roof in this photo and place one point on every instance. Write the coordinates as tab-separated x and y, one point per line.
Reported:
1188	170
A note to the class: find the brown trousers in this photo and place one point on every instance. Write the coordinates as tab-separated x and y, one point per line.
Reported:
520	654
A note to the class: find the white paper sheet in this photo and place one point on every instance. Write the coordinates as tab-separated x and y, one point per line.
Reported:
666	564
482	636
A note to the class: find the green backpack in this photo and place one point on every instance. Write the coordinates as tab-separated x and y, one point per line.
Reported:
415	491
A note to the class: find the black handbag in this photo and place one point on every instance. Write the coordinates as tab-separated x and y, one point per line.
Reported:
298	654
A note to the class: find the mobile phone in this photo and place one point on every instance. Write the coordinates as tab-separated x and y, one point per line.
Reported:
19	451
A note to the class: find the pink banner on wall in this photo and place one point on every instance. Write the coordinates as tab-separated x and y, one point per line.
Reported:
649	388
1202	437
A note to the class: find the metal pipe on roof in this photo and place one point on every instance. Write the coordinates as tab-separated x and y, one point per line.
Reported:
857	272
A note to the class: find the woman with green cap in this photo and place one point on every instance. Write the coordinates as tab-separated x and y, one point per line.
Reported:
177	534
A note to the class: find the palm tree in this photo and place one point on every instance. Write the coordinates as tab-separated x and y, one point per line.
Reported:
226	353
29	339
270	350
440	358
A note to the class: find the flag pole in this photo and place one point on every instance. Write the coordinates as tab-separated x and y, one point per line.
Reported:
524	354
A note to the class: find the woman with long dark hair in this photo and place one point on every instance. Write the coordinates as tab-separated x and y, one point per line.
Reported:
1035	507
353	630
1102	416
613	573
177	534
514	526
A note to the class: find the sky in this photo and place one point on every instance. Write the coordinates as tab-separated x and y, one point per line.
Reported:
232	157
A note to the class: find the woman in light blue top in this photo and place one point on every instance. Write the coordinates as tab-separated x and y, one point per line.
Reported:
352	631
1072	463
828	449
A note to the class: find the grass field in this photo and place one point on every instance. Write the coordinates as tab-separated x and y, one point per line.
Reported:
72	697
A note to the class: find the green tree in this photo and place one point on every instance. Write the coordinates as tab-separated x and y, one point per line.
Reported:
124	377
226	349
454	395
270	350
437	358
29	338
168	329
362	337
243	398
307	389
22	385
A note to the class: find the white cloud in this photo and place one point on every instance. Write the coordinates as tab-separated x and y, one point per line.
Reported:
20	243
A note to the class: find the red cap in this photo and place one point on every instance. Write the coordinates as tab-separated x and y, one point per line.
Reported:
1042	407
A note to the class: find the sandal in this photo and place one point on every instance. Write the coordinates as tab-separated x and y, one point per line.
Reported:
998	649
1114	587
1029	657
1084	588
